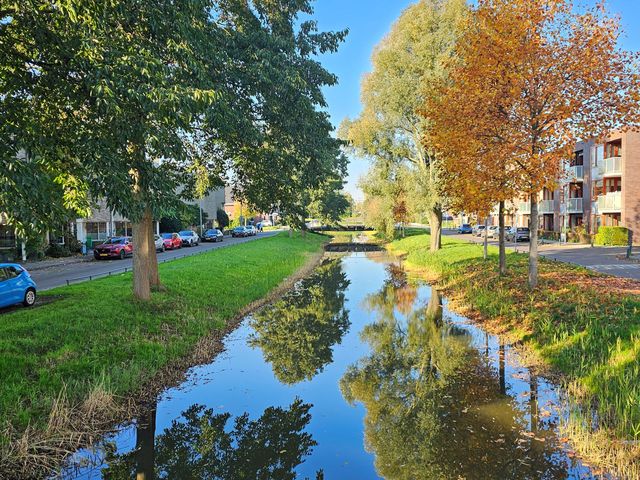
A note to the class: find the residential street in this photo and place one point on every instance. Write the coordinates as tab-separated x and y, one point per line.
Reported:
56	276
600	259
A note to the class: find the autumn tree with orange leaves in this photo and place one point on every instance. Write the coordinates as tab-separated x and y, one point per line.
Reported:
530	79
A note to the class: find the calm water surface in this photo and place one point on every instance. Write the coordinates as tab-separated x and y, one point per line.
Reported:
360	372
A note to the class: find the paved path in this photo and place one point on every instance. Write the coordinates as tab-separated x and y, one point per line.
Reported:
59	274
600	259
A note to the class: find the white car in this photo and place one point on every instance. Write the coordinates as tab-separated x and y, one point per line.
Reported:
251	230
492	231
189	238
159	241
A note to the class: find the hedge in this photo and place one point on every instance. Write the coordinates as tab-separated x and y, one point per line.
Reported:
612	236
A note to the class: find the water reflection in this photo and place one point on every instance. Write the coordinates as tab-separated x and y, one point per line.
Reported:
201	445
297	334
435	405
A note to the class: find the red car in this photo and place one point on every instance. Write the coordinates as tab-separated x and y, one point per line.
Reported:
115	247
171	241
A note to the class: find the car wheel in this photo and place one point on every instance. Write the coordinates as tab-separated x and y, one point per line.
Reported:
29	297
123	254
163	249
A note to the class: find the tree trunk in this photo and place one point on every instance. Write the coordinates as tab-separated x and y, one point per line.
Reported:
533	243
154	276
435	222
501	241
485	252
141	254
145	445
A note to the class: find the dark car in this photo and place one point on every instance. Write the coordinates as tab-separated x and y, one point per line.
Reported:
116	247
213	235
16	286
465	228
239	232
171	241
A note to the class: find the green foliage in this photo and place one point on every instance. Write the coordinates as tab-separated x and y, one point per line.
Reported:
202	444
222	218
85	337
297	333
612	236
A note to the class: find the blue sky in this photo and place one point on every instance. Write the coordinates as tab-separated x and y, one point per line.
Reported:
368	21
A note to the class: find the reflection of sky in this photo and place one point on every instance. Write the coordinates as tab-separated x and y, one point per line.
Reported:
368	22
240	381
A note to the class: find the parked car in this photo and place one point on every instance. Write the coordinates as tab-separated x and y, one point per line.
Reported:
479	230
251	230
518	234
492	230
213	235
189	238
496	232
159	241
114	247
16	286
239	232
171	241
465	228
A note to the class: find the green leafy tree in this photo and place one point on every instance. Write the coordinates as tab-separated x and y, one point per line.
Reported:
202	444
390	129
297	333
328	203
434	405
222	218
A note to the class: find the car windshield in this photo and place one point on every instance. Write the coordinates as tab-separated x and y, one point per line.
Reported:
186	233
115	241
210	232
239	228
525	229
466	225
167	235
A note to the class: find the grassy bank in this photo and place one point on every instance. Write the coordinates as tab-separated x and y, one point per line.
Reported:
95	336
583	324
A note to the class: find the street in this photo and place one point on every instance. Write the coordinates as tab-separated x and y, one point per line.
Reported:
58	275
600	259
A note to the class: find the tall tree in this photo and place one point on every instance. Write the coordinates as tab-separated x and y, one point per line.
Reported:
405	65
532	79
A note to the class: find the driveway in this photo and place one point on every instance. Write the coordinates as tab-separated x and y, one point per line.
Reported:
60	274
601	259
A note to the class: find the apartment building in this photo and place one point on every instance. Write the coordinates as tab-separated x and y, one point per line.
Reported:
600	187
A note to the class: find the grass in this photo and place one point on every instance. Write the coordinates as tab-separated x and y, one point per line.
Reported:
583	324
96	334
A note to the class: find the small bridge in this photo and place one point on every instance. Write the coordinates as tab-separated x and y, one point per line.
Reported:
353	247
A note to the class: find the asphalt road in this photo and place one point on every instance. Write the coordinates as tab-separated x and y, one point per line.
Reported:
601	259
58	275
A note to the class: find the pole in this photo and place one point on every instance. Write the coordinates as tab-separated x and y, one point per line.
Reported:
200	211
630	244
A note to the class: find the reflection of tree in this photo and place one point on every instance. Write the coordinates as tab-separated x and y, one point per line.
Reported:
297	333
200	445
434	404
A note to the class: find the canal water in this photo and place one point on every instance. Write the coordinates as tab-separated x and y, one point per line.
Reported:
360	372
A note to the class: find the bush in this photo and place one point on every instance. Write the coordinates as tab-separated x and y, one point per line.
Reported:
56	250
612	236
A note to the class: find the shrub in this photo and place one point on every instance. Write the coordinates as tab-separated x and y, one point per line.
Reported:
56	250
612	236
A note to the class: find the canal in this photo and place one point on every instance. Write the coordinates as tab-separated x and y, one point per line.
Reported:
359	372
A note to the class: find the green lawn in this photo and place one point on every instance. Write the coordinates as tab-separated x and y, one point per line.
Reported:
96	334
583	324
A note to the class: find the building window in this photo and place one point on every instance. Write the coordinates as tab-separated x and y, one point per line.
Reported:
96	230
124	228
612	185
578	159
7	236
613	149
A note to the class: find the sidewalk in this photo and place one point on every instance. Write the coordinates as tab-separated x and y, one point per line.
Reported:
35	265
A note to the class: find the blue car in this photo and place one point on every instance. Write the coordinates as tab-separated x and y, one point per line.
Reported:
465	228
16	286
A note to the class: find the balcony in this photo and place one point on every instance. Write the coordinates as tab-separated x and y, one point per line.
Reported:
610	203
611	167
524	208
575	173
546	207
575	205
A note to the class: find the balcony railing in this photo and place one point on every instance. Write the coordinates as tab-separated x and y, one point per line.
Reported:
610	203
611	167
546	206
575	205
524	208
575	173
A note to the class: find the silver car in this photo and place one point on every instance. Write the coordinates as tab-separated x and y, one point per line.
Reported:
159	242
251	230
189	238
